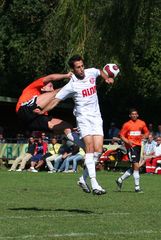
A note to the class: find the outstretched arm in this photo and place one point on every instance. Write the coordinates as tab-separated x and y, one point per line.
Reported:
61	94
106	78
57	77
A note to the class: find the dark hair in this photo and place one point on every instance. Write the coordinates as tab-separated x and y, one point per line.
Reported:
73	59
132	110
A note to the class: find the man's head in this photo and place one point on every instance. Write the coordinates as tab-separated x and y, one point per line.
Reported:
54	140
31	139
150	138
76	63
159	127
158	140
47	87
133	114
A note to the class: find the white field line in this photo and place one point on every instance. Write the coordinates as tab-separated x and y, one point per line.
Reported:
50	236
69	235
63	215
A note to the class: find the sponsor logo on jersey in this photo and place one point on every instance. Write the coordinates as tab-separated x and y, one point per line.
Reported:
135	133
92	80
89	91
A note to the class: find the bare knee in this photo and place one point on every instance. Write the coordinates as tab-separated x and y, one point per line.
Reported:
59	125
89	147
136	166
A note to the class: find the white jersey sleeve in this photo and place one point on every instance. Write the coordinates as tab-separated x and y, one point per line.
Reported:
65	92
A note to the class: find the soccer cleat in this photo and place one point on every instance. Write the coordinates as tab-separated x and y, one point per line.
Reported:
99	191
139	191
84	187
119	184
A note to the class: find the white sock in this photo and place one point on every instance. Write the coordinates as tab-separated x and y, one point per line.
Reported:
136	179
95	184
97	156
90	164
126	175
85	175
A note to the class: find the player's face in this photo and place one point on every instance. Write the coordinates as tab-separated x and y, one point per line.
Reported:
79	69
134	115
47	88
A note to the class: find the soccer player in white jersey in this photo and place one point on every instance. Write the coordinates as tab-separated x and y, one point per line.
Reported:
82	88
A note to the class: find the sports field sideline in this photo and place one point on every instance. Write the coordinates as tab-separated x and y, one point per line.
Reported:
52	206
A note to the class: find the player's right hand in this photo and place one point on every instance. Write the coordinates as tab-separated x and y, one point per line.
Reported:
130	143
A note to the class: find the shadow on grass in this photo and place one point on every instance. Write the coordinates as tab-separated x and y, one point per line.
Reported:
54	210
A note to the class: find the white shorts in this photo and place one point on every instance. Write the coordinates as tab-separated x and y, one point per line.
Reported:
89	126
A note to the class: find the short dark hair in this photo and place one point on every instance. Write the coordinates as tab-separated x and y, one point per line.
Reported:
73	59
132	110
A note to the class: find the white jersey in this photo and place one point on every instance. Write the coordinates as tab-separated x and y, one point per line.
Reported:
83	92
157	150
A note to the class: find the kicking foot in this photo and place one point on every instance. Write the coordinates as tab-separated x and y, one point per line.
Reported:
119	184
84	187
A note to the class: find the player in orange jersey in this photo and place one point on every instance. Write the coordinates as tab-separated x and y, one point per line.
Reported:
35	96
132	134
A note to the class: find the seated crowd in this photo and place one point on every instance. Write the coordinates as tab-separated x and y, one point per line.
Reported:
57	155
151	156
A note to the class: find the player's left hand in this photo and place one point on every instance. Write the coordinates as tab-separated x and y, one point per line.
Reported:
109	80
69	75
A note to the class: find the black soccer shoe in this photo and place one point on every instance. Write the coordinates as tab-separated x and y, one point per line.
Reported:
99	191
119	184
84	187
139	191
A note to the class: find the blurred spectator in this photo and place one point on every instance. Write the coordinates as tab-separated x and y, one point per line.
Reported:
24	158
158	133
149	146
52	153
20	138
64	151
151	163
74	157
44	137
113	131
148	149
37	159
2	139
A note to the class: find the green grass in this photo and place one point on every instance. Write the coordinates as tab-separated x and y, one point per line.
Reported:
51	206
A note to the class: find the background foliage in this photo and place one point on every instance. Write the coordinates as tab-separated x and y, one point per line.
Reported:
37	38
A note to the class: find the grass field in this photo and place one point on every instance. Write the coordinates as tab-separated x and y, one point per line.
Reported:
51	206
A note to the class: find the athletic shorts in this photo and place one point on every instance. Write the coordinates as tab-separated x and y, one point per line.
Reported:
89	125
37	157
31	120
134	154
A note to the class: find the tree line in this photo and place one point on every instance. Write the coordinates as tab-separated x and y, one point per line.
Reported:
37	37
